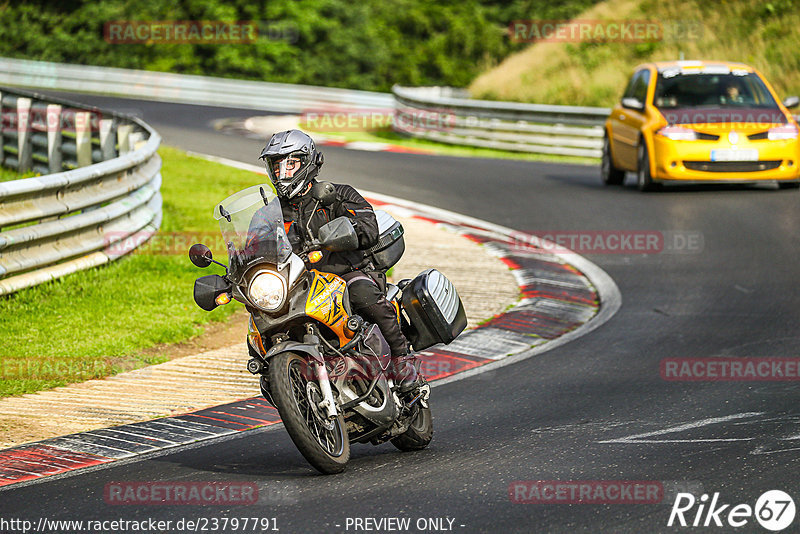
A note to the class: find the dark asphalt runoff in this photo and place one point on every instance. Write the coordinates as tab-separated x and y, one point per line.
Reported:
595	409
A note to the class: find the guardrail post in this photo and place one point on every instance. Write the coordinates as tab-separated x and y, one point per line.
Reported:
107	141
124	138
54	138
83	138
135	138
24	147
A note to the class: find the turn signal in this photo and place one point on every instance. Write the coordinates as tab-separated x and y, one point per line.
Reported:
222	299
315	256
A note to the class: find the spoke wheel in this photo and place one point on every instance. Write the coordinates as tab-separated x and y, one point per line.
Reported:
321	441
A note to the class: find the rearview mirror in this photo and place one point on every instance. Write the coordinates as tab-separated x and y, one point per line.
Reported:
338	235
791	102
200	255
324	193
632	103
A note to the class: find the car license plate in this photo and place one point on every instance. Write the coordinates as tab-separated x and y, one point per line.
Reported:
735	155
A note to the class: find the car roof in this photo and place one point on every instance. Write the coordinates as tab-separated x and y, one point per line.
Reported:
694	65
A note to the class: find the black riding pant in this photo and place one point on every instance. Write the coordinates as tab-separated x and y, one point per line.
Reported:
368	299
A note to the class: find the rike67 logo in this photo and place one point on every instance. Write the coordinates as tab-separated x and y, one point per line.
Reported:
774	510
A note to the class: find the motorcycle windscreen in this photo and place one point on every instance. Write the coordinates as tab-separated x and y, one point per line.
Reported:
251	222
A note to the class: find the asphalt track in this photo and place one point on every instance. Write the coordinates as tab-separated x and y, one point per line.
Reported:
595	409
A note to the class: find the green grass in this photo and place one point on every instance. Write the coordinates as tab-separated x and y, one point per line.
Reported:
97	322
442	149
8	175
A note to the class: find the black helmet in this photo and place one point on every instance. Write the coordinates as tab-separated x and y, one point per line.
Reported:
290	145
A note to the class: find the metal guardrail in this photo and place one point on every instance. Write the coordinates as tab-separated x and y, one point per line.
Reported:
184	88
446	115
66	220
564	130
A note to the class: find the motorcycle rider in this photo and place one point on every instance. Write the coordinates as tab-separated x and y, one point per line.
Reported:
293	162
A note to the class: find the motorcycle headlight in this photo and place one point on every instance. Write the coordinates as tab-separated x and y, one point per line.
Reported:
267	291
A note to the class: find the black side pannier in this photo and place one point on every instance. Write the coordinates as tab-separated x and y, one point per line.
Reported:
435	311
391	245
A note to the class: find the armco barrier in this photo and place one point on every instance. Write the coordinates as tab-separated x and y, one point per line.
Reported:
535	128
184	88
100	183
446	115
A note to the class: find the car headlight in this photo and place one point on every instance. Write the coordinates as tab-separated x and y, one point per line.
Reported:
782	132
676	133
267	290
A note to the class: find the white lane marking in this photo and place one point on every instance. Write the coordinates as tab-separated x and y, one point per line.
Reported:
145	436
635	438
123	440
367	145
86	443
490	343
186	425
762	450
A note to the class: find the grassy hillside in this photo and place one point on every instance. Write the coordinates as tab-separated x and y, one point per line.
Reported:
762	34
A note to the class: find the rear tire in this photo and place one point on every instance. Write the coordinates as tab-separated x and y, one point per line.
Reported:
327	449
419	433
644	179
610	174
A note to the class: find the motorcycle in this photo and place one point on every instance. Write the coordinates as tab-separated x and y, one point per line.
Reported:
326	370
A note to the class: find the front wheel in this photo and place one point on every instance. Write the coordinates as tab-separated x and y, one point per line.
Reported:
322	442
644	179
794	184
419	433
610	174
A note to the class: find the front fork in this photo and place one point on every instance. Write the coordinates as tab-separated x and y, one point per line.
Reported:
328	404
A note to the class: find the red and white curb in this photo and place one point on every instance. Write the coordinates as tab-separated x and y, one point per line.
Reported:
564	297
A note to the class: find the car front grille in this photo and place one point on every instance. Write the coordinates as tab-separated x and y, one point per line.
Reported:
732	166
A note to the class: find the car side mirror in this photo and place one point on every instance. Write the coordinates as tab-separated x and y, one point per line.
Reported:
338	235
324	193
632	103
200	255
791	102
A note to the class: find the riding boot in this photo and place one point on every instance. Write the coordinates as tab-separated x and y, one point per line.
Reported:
405	366
405	372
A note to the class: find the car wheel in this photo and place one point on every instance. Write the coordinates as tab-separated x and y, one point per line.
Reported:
794	184
644	180
610	174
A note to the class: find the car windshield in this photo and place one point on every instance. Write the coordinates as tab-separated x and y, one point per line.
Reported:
251	222
682	89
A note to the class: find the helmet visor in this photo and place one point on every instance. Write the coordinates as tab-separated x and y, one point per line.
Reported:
286	172
285	168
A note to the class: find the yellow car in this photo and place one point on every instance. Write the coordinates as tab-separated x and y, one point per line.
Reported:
698	122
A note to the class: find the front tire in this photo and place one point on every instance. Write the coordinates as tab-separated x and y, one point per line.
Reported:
610	174
419	433
644	179
323	443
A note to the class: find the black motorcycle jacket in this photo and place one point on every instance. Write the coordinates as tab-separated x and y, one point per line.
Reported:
303	214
